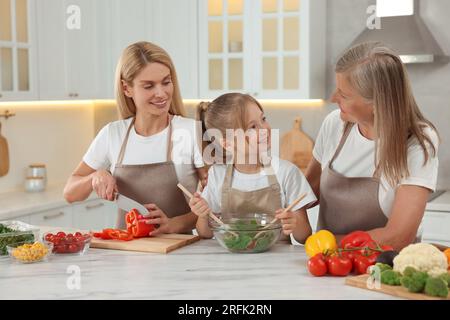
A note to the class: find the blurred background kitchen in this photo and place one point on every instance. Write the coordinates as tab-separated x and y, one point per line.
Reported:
58	57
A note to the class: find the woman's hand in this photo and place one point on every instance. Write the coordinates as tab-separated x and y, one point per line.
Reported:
199	206
289	220
157	217
104	184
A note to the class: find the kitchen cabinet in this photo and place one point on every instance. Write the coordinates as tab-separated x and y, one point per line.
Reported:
267	48
436	227
67	49
17	50
171	24
94	215
56	217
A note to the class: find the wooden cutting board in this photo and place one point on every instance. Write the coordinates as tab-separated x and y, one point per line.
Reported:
296	146
159	244
398	291
4	155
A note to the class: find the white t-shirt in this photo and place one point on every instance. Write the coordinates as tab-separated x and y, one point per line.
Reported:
104	150
356	158
292	182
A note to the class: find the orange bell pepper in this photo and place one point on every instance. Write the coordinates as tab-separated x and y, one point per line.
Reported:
447	254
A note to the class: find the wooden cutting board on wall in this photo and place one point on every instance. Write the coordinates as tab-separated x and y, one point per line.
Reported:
160	244
296	146
4	155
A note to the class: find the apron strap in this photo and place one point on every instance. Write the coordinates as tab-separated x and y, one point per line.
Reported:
125	142
341	143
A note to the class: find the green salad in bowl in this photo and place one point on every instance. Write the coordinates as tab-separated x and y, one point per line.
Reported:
249	233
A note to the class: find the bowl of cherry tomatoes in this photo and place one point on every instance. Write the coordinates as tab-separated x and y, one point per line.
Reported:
68	241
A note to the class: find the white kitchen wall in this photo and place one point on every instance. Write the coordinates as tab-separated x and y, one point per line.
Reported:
347	19
54	134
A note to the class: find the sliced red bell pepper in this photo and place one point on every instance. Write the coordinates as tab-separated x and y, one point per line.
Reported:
137	225
118	234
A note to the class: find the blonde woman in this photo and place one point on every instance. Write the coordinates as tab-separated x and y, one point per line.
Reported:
375	159
152	148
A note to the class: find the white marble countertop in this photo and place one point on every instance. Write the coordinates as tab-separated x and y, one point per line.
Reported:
202	270
19	203
441	203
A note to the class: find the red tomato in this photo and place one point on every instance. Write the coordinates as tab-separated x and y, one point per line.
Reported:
339	266
361	264
49	237
387	248
79	239
77	234
317	265
372	257
61	248
60	234
73	248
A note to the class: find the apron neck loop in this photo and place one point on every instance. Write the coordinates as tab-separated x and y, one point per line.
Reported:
345	134
125	141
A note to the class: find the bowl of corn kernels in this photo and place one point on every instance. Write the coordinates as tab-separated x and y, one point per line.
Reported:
30	252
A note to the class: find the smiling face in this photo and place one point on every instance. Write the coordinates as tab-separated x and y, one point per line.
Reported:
151	90
354	108
258	137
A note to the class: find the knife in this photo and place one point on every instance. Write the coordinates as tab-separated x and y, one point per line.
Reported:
128	204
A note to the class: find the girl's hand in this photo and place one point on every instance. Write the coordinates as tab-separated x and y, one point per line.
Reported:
158	217
199	206
104	184
288	220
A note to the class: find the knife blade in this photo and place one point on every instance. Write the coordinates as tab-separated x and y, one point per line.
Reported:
128	204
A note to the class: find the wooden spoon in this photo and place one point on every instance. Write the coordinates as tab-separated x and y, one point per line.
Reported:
213	216
285	210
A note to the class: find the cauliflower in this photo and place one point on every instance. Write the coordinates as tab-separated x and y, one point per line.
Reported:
423	257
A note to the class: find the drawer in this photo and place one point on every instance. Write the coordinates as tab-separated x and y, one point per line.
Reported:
58	217
94	215
436	226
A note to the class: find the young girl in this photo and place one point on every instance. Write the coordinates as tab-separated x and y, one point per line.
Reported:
245	186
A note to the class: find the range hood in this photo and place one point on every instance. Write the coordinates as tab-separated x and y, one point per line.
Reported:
409	36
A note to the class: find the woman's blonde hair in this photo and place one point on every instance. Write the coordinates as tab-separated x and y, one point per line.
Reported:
133	59
380	77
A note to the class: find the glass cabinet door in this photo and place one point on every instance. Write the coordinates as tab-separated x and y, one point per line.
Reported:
279	28
225	46
14	47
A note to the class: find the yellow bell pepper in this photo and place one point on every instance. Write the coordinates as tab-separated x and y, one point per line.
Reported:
320	242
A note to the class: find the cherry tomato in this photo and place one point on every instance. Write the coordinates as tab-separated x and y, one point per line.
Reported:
61	248
77	234
61	234
49	237
73	248
339	266
361	264
317	265
79	239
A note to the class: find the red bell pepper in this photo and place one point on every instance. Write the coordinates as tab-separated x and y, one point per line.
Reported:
117	234
137	224
356	239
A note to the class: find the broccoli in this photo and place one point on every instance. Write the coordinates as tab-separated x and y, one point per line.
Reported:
390	277
436	287
446	278
383	267
414	281
409	271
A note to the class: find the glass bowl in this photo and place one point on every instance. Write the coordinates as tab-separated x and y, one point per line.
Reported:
29	252
68	241
249	233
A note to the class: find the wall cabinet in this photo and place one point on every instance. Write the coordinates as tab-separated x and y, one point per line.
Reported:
67	49
267	48
17	50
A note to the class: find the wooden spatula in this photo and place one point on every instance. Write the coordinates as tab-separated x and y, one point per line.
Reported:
4	155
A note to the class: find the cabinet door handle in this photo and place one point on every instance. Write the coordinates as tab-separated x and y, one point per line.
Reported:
75	95
53	216
93	206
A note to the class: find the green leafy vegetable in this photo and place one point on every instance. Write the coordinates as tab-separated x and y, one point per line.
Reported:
9	236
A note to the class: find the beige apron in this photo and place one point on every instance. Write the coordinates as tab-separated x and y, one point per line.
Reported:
348	204
266	200
150	183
